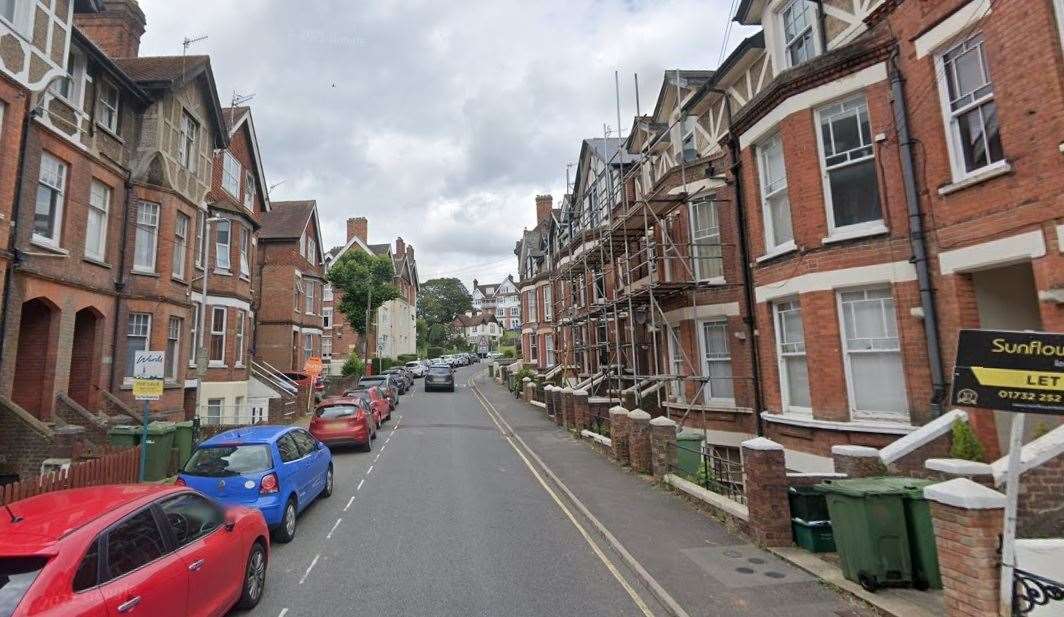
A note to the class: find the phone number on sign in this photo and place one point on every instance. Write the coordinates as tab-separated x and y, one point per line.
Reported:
1039	397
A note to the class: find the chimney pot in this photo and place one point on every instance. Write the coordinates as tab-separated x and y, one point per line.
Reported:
117	29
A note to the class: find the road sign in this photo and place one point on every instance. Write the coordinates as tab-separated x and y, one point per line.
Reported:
1019	372
148	375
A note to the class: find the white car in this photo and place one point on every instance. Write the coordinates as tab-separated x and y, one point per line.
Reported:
416	368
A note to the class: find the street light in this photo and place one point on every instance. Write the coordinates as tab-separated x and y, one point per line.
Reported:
201	353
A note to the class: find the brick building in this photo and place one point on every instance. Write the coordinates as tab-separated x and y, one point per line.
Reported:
538	345
787	261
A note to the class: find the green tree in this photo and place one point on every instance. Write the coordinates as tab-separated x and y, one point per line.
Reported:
441	300
358	278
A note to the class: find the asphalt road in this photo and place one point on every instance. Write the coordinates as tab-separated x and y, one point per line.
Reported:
442	518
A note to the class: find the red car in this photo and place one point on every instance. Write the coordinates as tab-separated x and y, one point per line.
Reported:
129	549
345	421
378	400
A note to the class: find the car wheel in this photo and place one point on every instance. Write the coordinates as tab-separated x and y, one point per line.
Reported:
286	531
254	578
369	444
328	490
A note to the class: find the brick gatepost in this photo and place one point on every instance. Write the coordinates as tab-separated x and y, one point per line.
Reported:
581	412
968	520
765	482
526	393
857	461
630	399
639	440
619	434
565	418
662	446
548	399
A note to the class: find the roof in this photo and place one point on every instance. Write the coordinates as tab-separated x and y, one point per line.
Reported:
113	70
746	11
481	318
380	249
49	517
751	43
236	117
287	220
606	147
252	434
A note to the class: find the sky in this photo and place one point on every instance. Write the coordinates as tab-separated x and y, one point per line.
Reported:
438	121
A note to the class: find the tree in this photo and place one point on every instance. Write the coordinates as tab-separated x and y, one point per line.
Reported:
441	300
358	277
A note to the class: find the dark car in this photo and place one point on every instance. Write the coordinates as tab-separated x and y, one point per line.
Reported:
439	377
385	382
406	378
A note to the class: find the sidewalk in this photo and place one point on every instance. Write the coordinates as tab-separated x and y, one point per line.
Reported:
706	568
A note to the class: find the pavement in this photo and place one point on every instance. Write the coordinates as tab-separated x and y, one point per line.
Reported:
455	513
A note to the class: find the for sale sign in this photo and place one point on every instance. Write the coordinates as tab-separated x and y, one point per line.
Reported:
148	369
1021	372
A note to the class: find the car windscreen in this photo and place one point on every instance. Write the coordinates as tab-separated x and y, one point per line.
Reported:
228	460
333	412
16	576
440	370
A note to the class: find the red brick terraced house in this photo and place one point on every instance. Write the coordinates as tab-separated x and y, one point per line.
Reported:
290	285
536	289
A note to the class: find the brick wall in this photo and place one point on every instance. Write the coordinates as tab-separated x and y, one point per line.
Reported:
1041	501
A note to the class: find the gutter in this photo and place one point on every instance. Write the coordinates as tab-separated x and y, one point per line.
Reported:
917	238
120	281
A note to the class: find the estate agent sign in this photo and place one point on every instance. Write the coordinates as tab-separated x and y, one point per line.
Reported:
1021	372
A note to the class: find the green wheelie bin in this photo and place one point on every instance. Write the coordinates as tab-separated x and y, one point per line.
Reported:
124	436
688	451
869	525
160	442
184	437
926	574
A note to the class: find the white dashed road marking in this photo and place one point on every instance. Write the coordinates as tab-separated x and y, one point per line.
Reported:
313	563
284	611
370	470
360	483
328	536
349	502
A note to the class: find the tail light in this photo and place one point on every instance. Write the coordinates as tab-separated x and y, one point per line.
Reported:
268	486
179	481
358	418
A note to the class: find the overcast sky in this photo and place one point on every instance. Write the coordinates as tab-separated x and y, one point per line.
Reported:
438	121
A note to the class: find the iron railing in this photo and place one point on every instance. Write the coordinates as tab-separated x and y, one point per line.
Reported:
1029	591
599	419
716	473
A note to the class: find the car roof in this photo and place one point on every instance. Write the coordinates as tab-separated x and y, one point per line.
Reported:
340	400
251	434
47	518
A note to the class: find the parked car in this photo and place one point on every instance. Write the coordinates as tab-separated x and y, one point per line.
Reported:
378	402
407	380
279	470
341	421
439	377
165	550
383	381
416	368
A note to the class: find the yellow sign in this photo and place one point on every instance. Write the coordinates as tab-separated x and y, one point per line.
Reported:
1014	378
147	389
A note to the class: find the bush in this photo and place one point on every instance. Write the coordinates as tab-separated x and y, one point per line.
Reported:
407	357
965	444
509	353
353	366
382	364
434	351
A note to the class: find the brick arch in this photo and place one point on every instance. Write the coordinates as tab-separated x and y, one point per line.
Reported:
86	354
38	345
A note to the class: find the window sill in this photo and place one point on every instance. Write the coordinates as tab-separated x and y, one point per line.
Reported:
715	280
245	277
145	273
221	272
42	243
178	279
96	262
865	231
779	251
856	426
217	364
987	173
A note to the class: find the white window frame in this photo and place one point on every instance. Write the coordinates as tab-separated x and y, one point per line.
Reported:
245	253
326	317
677	363
188	141
312	251
241	321
133	320
107	113
711	397
298	291
548	344
774	191
21	20
74	80
55	182
179	258
151	228
173	357
99	210
865	227
308	298
327	293
778	310
213	418
250	192
193	333
548	310
696	257
326	346
532	308
308	347
214	331
950	116
864	414
201	238
232	171
223	258
812	27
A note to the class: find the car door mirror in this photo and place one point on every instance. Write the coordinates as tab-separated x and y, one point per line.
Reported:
230	521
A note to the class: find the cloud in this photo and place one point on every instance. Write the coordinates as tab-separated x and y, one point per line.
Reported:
439	122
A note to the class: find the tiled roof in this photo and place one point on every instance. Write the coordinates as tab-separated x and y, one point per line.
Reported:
162	68
233	115
381	249
288	219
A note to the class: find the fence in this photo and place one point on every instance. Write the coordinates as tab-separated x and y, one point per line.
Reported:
119	468
714	471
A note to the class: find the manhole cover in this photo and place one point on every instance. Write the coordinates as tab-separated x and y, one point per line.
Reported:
733	554
744	570
745	566
756	560
775	574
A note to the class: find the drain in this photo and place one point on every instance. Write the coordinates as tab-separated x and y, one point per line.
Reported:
775	575
733	554
756	560
744	570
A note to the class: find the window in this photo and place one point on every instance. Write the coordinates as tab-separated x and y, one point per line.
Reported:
312	251
548	310
790	349
849	165
190	517
798	36
87	575
533	347
193	339
214	410
240	337
133	543
548	344
107	106
689	150
971	111
717	364
531	305
249	190
189	136
231	172
602	343
598	285
217	357
7	9
288	449
327	293
222	245
326	317
706	234
326	345
515	311
201	238
245	250
775	205
309	308
297	292
48	213
180	255
147	237
308	346
872	354
96	224
173	347
69	87
677	365
137	332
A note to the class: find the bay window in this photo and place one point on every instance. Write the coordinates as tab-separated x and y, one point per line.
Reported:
872	354
798	33
146	242
180	254
217	348
970	108
790	351
231	172
309	298
107	109
96	222
51	192
223	231
249	190
677	365
173	347
775	204
548	310
239	337
187	141
245	250
848	166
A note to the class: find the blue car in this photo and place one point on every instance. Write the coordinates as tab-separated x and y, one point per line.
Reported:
277	469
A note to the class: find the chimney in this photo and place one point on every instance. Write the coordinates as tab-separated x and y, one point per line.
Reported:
358	227
544	204
117	29
400	247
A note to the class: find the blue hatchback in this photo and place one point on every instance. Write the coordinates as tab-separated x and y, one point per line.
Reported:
277	469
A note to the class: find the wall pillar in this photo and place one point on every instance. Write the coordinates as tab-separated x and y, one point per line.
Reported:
857	461
630	399
619	434
581	413
765	484
639	440
968	520
662	446
548	399
565	418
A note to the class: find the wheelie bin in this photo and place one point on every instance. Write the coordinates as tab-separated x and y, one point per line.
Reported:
160	442
689	451
926	574
124	435
810	520
184	437
870	530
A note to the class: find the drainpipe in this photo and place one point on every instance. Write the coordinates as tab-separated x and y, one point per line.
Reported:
744	257
120	280
917	238
820	18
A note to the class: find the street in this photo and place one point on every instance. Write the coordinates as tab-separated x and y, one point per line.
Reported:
441	518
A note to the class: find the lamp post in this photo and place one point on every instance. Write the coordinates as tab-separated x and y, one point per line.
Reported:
201	347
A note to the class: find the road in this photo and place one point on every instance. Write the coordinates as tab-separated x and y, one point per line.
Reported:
443	518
